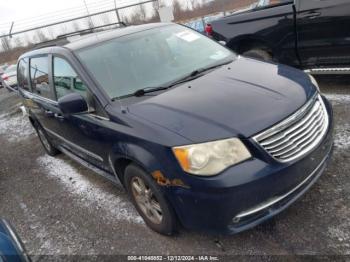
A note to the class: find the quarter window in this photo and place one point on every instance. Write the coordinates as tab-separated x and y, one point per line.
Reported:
22	74
66	79
39	68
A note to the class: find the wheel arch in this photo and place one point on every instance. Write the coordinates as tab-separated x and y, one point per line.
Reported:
134	154
248	42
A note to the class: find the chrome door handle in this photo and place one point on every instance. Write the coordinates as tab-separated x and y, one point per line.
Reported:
49	113
312	15
59	116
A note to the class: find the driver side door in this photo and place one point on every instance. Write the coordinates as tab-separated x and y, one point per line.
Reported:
82	134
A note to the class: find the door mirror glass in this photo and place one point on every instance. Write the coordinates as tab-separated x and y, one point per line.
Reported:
72	103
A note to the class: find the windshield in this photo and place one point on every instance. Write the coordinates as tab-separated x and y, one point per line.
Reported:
151	58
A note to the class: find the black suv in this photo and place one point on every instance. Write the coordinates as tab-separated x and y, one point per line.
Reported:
307	34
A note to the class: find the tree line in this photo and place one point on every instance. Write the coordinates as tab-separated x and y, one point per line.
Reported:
183	10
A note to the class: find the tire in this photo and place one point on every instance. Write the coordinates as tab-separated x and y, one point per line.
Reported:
258	53
167	224
45	141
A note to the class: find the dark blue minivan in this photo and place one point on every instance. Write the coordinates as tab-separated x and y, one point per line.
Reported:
198	136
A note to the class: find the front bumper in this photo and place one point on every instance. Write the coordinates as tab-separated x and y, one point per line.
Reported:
248	194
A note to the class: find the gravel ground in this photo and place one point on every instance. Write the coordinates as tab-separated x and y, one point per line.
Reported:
61	208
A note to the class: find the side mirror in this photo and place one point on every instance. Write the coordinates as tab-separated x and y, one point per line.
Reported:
72	103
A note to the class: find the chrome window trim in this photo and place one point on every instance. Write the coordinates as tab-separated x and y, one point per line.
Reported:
30	95
291	120
98	117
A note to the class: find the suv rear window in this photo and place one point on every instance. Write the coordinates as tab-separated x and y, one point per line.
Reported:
22	74
39	68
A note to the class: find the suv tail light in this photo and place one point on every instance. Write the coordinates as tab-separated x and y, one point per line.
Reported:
209	30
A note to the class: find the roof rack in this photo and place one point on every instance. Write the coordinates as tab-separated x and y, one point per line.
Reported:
62	39
54	42
90	30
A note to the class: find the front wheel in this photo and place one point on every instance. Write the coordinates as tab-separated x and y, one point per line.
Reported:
45	141
149	201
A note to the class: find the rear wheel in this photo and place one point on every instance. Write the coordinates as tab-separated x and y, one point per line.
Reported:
258	53
45	141
149	201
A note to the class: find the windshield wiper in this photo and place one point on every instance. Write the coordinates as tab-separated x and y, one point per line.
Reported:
193	75
143	91
189	77
198	73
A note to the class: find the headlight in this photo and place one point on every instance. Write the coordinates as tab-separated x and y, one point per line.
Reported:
211	158
314	82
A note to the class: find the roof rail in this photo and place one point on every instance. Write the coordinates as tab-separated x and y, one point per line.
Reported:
53	42
90	30
62	39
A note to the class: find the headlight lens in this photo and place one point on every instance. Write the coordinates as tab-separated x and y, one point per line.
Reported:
211	158
314	82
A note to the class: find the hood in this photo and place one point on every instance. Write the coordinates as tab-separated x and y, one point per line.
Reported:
240	99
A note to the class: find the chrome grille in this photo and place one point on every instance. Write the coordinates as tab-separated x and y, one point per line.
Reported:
298	134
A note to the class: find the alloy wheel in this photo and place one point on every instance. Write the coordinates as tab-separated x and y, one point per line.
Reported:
43	139
146	200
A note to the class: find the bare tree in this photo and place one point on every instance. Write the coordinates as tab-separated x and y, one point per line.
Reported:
51	32
89	23
63	29
143	14
28	40
177	8
155	7
40	36
18	41
193	4
75	26
106	19
125	19
5	43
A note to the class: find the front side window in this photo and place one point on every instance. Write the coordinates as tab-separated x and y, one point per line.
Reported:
66	79
22	74
39	76
267	3
151	58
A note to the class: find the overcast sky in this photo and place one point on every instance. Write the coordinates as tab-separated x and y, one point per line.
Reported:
19	10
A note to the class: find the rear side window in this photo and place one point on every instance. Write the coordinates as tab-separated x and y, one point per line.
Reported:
66	80
39	76
22	74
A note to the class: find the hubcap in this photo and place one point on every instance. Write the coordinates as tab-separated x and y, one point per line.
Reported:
146	200
44	139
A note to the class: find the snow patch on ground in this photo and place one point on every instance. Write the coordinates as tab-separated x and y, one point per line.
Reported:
342	136
15	127
338	99
341	237
116	208
47	247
